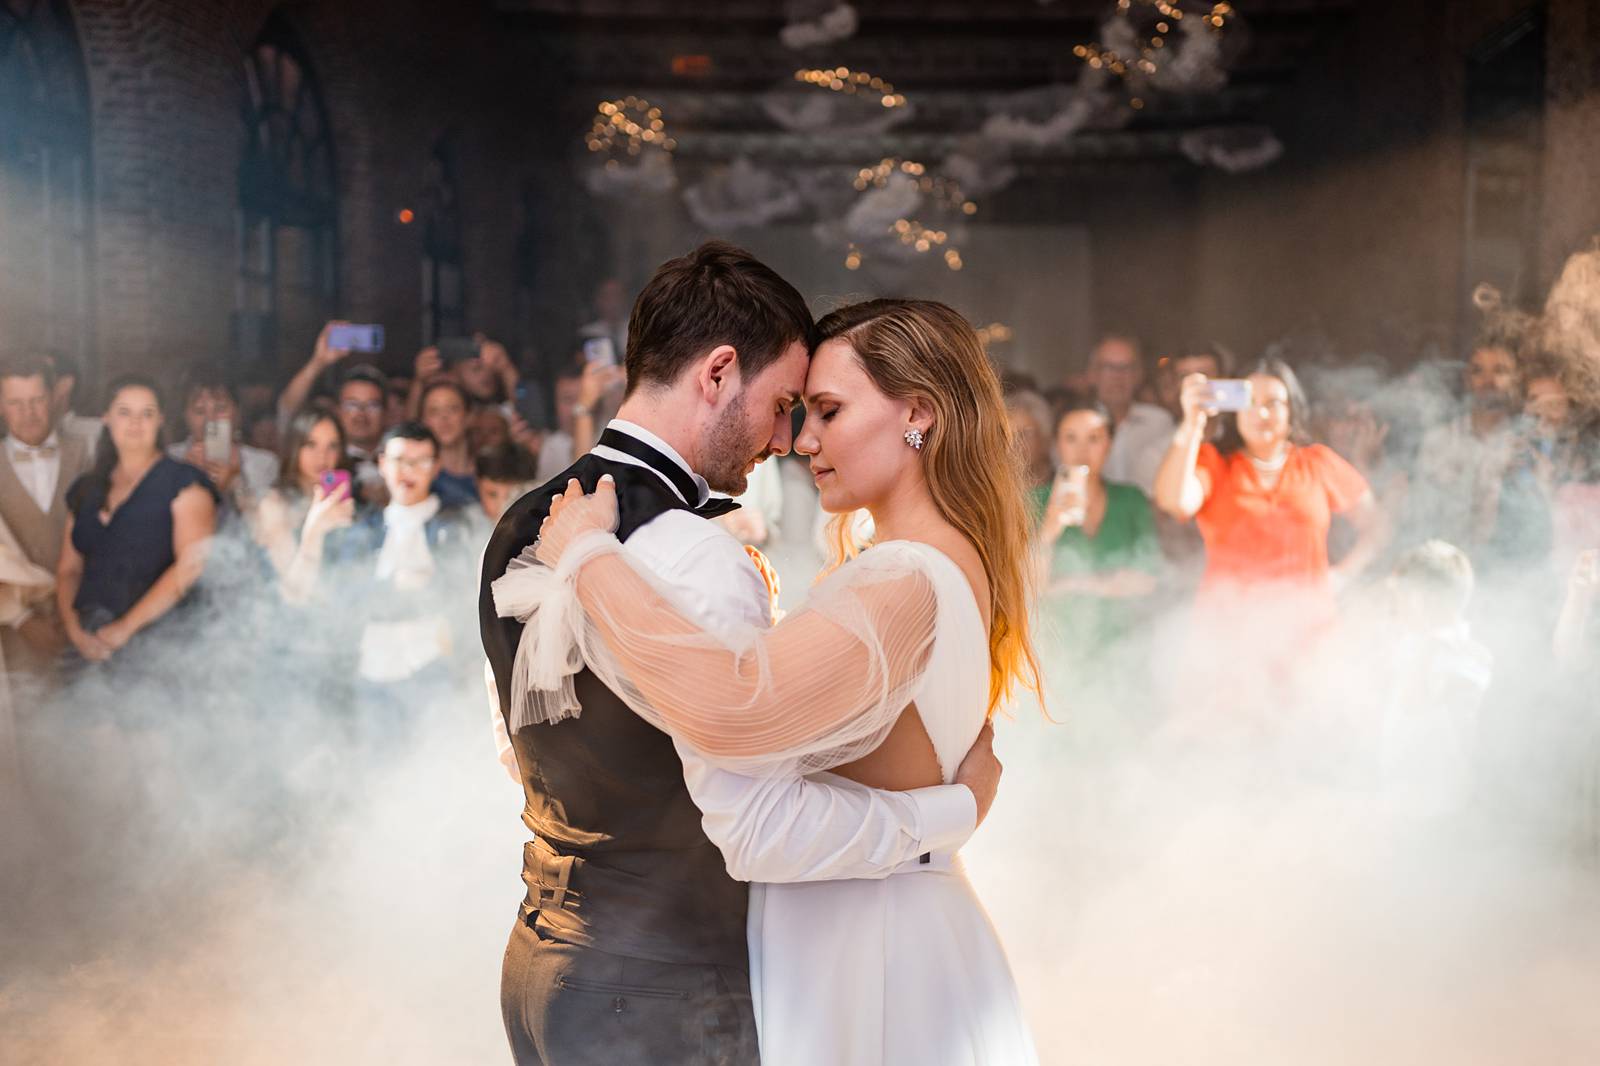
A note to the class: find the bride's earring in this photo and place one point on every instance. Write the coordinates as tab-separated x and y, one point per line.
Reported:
914	438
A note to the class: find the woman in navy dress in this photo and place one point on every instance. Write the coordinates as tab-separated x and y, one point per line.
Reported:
137	526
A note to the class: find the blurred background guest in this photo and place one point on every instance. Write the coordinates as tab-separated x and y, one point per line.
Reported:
1030	433
1437	675
1348	420
611	316
66	395
443	405
1097	549
1476	482
37	465
298	511
505	471
1264	496
240	473
405	564
587	395
1142	430
137	529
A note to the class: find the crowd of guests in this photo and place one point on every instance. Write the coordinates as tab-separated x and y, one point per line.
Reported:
361	500
352	503
1212	532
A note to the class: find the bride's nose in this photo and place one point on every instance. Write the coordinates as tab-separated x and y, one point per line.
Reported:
806	443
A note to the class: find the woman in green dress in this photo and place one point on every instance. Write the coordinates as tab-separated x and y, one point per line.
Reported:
1099	563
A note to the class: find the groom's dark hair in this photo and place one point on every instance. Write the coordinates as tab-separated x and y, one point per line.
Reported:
717	294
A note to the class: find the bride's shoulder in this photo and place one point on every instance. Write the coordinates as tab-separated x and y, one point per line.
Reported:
936	556
944	558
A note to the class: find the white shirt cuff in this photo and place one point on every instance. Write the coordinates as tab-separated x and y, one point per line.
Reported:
948	815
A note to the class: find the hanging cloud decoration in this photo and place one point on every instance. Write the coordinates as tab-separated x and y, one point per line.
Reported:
799	109
1235	149
979	166
1195	65
811	25
1049	116
741	196
645	174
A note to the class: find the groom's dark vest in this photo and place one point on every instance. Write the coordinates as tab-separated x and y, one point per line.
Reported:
620	862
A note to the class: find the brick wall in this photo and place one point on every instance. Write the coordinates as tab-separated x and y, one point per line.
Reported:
165	88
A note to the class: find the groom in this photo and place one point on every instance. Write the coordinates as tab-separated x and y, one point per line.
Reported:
630	945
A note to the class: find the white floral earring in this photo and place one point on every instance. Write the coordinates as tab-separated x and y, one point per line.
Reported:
914	438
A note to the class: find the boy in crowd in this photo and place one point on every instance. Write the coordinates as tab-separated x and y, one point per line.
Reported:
1439	676
505	472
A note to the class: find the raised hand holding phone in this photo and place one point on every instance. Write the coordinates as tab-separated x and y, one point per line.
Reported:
332	506
326	353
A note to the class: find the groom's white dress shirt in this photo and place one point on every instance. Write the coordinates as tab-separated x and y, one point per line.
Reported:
773	829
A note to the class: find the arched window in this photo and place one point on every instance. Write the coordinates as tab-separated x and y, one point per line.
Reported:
44	179
288	220
443	298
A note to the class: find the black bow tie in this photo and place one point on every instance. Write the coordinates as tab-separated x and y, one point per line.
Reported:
716	506
655	460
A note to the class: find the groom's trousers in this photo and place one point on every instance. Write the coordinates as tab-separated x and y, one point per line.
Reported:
568	1005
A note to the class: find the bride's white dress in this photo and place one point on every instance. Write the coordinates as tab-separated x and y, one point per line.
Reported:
901	971
904	970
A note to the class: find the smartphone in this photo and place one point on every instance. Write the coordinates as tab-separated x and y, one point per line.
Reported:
218	445
333	479
456	349
1229	394
356	337
1072	490
600	350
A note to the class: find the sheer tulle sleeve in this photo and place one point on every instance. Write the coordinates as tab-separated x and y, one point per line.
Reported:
821	688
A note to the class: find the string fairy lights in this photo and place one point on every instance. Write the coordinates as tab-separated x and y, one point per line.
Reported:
1141	60
630	149
853	83
628	126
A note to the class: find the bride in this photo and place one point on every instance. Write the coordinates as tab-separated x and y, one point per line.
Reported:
884	677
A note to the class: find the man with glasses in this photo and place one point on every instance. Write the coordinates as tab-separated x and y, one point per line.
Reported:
406	563
361	407
1141	431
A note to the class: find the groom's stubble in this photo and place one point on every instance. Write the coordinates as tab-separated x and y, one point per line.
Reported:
730	445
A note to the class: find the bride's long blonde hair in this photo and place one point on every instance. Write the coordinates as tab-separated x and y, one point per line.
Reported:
922	350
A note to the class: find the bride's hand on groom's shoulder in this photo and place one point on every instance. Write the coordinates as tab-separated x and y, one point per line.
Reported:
574	513
980	771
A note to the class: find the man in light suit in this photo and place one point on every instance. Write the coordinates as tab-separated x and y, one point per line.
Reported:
37	465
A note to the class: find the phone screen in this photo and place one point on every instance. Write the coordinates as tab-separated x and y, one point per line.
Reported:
457	349
600	350
333	479
1230	394
356	337
218	444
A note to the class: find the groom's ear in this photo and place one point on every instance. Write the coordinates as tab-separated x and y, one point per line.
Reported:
718	373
